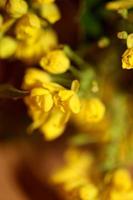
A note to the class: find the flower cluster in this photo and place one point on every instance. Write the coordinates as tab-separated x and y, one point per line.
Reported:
64	93
119	185
50	104
33	35
80	178
75	176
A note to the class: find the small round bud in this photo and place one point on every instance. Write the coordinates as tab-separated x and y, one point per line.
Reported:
103	42
55	62
50	12
122	35
7	47
16	8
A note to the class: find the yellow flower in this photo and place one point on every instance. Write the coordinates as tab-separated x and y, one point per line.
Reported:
88	192
50	12
28	27
34	78
42	99
117	195
54	114
119	185
67	99
65	102
55	62
16	8
55	124
50	104
122	179
122	35
48	40
74	173
92	111
33	51
96	110
121	4
127	59
8	47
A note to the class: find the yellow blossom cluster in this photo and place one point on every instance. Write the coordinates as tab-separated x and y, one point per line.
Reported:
119	185
49	103
59	87
122	7
34	38
76	175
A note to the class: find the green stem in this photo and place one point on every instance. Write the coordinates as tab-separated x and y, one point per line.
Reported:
75	57
75	71
86	74
116	132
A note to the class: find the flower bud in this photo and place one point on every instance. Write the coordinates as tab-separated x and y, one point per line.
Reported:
16	8
7	47
50	12
55	62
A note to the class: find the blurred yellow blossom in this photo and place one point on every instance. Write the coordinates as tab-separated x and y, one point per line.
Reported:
120	186
7	46
55	62
92	111
50	12
28	27
88	192
54	124
122	35
122	179
16	8
74	173
120	4
32	52
127	59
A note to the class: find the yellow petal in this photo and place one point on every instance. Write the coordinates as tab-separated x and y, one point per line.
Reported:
35	76
55	125
43	98
74	104
65	94
50	12
55	62
75	85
